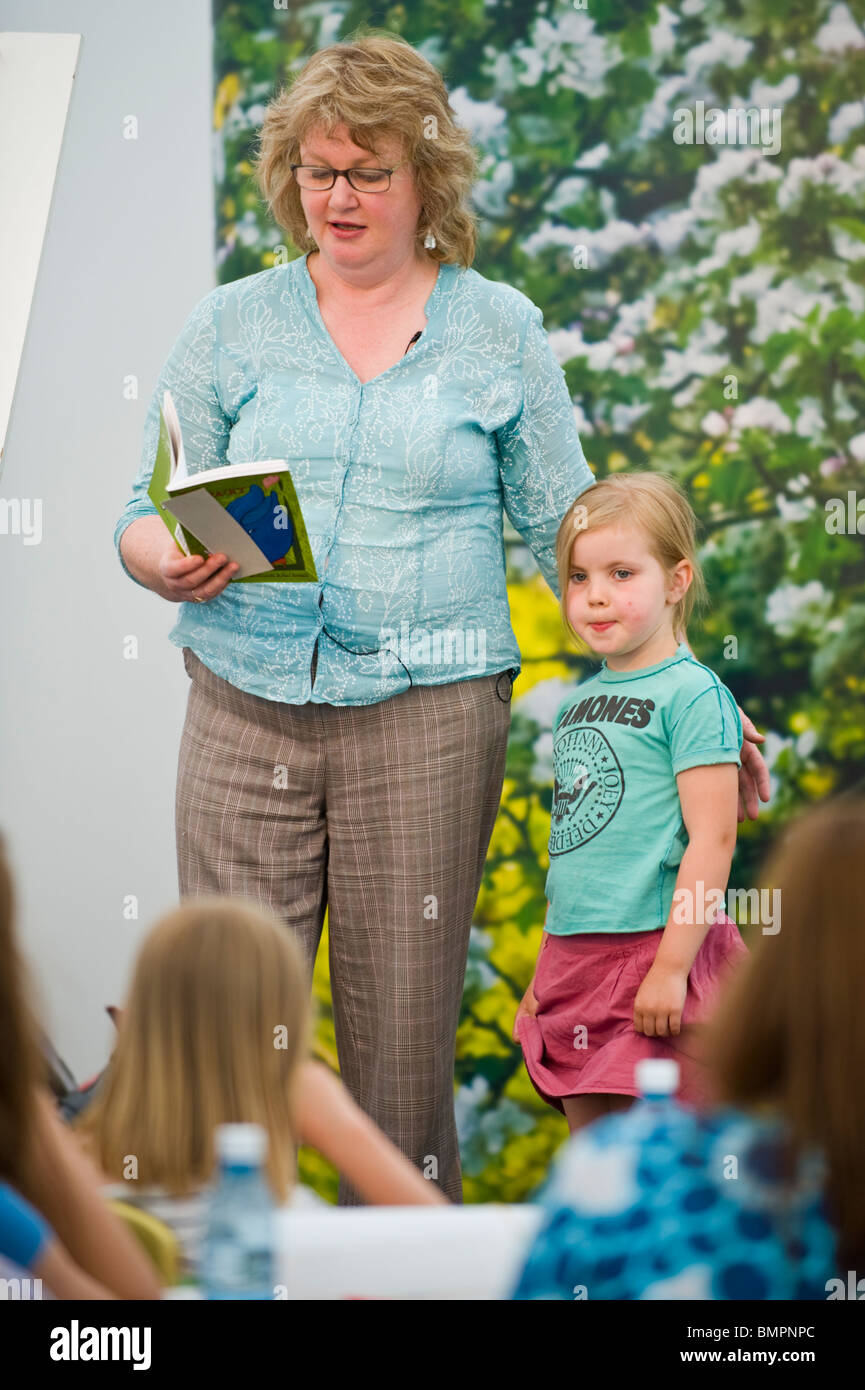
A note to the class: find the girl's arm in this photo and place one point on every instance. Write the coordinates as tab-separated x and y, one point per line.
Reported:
529	1004
63	1277
64	1187
709	799
329	1120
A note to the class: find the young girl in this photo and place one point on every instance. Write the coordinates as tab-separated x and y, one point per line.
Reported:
646	751
54	1225
216	1030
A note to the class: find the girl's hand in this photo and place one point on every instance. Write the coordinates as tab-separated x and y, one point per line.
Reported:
753	774
659	1003
528	1007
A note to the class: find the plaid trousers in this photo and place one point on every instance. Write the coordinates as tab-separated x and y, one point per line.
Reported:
385	820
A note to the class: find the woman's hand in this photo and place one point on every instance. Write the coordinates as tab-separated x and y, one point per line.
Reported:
659	1002
185	578
155	560
753	774
528	1007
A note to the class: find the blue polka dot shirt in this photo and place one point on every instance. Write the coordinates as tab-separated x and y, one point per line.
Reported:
663	1202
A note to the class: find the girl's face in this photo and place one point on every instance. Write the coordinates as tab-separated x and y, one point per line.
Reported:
619	599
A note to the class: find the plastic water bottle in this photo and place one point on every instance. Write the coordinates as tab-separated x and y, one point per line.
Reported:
657	1080
239	1250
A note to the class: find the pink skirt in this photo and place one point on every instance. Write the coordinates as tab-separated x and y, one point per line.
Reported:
582	1040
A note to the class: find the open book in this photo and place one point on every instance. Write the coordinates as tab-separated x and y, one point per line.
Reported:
247	511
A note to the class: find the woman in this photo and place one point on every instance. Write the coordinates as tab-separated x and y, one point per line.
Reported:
760	1197
54	1225
345	740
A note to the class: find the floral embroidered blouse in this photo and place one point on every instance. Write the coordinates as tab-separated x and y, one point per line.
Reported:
402	481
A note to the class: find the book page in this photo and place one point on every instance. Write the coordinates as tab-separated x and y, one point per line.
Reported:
178	459
217	529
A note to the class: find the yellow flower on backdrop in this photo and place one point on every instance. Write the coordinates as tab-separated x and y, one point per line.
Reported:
514	952
226	95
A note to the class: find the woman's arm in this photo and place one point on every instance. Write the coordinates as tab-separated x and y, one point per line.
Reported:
542	466
64	1187
708	799
328	1119
142	546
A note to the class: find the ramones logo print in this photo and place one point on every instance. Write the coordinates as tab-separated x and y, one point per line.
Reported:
588	788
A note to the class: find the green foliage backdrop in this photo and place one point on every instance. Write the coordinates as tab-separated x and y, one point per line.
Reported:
707	302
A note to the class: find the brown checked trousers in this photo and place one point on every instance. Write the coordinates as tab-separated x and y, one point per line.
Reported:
385	820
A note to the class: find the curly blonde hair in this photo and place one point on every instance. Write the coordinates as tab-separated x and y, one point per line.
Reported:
377	85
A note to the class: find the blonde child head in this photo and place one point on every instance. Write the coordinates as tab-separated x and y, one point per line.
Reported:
215	1026
656	509
789	1032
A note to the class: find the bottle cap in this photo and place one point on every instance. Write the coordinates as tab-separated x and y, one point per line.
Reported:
657	1076
240	1143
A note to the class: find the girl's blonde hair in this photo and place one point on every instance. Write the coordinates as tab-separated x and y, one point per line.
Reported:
660	508
789	1031
215	1026
377	85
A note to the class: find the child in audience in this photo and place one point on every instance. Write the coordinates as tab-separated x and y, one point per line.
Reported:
54	1224
216	1030
636	945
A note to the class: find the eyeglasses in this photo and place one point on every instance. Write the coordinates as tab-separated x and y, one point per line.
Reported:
361	180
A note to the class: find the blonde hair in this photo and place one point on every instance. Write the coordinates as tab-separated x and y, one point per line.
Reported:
377	85
660	509
215	1026
789	1030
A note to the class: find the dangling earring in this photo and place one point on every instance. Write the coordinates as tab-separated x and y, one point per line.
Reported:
429	241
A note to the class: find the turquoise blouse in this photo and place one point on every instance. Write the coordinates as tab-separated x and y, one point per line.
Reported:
401	480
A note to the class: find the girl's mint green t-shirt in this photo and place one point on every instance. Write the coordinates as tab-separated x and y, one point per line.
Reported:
617	836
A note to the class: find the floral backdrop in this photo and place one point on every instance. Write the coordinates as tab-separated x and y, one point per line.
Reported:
703	286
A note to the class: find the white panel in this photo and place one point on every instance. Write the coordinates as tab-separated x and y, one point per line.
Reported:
36	72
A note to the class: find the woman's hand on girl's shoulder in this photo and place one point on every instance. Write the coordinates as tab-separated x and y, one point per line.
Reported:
753	774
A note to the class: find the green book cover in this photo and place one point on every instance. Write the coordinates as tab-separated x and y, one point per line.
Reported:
247	511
